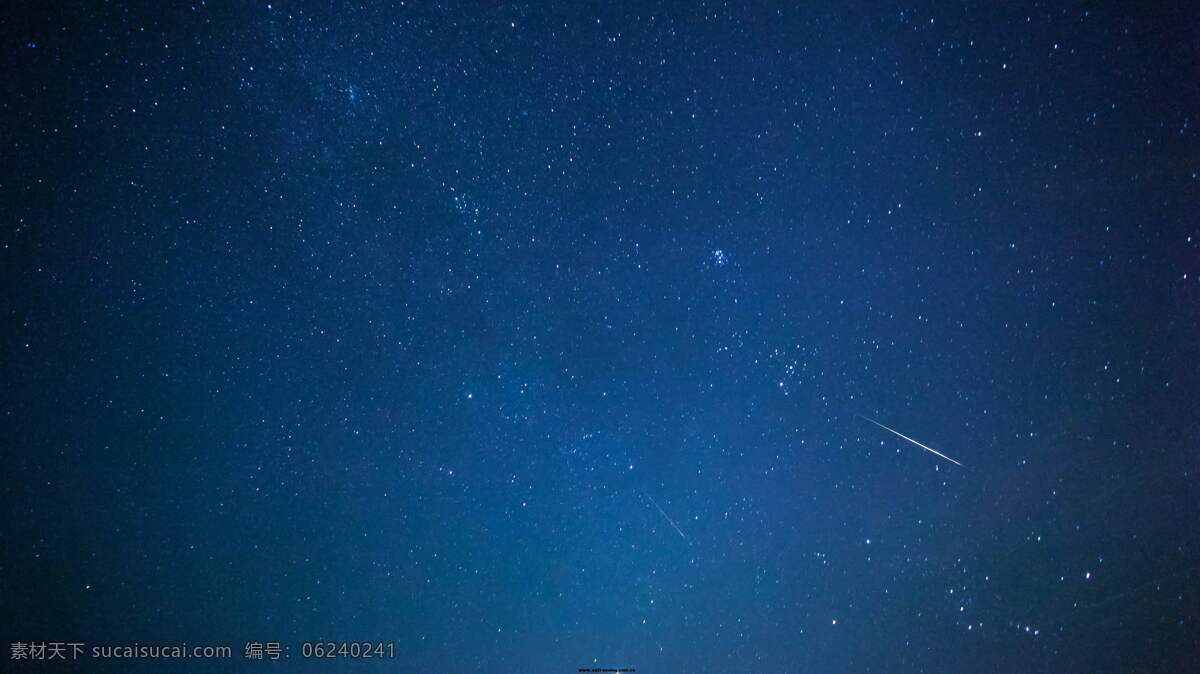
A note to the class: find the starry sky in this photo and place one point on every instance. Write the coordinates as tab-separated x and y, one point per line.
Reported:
535	337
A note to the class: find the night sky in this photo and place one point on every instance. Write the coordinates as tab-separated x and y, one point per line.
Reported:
534	338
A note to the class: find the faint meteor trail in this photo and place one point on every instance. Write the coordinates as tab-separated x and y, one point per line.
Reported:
664	514
924	447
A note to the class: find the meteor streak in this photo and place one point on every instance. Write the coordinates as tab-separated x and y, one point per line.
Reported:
924	447
664	514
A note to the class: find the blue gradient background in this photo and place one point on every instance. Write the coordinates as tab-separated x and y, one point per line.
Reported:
386	321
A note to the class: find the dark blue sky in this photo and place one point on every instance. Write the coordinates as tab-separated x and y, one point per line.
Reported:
536	338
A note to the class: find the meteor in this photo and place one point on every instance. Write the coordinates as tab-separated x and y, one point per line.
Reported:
664	514
924	447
